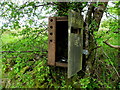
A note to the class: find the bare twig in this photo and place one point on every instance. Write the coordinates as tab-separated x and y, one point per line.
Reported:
44	4
19	51
96	48
40	33
108	14
113	46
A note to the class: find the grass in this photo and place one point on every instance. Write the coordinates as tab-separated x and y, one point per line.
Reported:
16	64
30	70
7	37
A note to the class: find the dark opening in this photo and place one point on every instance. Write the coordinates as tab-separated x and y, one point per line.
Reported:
75	31
51	27
51	33
50	40
62	41
51	20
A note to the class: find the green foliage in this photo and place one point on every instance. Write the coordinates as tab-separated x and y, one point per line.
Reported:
62	8
29	69
17	16
20	67
115	8
107	57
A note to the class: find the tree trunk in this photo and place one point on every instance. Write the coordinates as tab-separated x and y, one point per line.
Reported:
93	18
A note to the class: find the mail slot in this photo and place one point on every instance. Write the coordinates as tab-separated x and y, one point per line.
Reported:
65	42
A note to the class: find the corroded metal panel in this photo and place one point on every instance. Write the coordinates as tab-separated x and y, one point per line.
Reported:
61	64
75	42
62	19
52	41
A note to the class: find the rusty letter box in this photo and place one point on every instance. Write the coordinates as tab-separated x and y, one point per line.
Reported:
65	42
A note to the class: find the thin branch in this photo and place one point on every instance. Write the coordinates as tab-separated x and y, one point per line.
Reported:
35	6
113	46
19	51
44	4
108	14
40	33
96	48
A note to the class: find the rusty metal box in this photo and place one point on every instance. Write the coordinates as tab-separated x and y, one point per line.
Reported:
65	42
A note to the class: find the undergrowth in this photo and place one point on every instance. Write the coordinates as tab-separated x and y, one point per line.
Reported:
25	65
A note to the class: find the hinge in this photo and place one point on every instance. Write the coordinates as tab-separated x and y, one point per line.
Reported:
85	52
